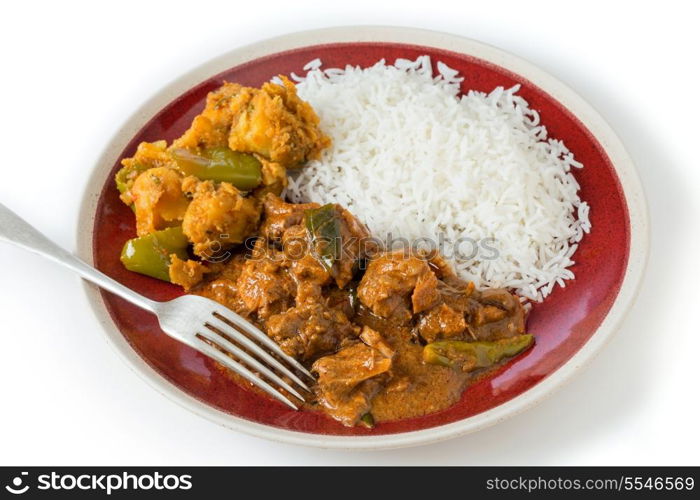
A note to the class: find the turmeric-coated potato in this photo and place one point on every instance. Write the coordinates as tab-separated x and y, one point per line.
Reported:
271	122
158	199
186	273
277	124
218	216
212	126
148	155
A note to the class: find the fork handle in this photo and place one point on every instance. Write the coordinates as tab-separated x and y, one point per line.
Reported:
14	229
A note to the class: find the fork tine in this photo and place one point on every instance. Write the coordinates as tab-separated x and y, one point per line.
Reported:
219	356
228	330
248	360
244	325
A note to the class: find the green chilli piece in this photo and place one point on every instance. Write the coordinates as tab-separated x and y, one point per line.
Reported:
367	420
220	164
472	355
323	226
150	254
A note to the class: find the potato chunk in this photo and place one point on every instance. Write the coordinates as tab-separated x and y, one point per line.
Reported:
148	155
211	128
276	124
158	199
218	216
274	178
271	122
186	273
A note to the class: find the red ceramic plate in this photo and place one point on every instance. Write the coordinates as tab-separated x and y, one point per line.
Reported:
569	325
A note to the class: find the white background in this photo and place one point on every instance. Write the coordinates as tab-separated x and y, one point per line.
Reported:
72	73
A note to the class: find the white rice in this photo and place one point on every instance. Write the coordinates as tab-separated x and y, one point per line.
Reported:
413	158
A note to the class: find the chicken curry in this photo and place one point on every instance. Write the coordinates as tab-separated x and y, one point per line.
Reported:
390	334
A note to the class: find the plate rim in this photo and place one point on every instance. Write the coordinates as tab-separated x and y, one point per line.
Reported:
620	159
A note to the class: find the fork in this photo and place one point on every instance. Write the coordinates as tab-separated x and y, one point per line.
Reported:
201	323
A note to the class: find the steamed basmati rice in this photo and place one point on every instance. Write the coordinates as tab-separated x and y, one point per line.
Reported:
413	158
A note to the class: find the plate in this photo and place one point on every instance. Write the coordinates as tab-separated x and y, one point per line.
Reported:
571	325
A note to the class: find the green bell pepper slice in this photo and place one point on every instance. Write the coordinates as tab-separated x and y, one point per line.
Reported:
472	355
150	254
220	164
